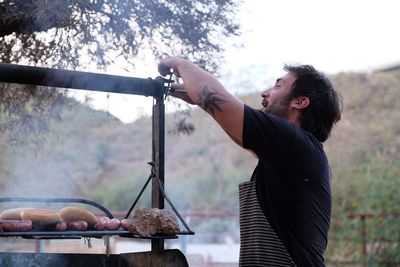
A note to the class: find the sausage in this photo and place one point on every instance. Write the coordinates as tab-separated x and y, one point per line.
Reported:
79	225
16	225
113	224
125	224
61	226
101	223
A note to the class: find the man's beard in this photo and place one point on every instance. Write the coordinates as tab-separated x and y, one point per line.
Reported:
279	109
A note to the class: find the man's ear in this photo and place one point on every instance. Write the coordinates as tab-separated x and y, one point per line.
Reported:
300	102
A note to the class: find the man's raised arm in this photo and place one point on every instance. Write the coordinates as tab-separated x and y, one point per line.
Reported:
207	92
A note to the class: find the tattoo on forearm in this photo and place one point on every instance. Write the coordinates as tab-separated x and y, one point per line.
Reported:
209	101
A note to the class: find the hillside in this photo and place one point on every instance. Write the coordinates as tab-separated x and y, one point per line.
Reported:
90	154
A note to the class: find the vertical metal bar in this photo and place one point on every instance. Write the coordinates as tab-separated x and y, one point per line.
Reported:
364	239
157	199
37	246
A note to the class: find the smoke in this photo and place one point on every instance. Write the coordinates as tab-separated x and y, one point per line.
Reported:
61	260
55	173
74	155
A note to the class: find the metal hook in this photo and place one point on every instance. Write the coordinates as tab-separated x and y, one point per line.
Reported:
169	82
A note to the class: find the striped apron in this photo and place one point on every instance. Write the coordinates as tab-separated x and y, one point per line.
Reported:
259	244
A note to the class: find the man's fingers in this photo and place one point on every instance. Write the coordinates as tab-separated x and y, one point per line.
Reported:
178	86
169	66
164	69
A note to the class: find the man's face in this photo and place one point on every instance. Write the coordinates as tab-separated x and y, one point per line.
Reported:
274	99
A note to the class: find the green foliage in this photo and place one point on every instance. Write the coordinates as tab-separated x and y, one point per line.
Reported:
61	33
25	111
122	193
364	154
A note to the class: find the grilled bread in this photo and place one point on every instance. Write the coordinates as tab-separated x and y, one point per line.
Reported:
41	216
12	214
69	214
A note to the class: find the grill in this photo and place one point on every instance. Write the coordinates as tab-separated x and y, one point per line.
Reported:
157	88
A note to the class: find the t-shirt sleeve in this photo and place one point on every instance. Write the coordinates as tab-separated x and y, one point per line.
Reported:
268	136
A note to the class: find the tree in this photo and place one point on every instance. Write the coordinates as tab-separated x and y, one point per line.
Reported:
59	32
62	34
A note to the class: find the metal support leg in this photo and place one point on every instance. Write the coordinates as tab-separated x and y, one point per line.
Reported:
157	199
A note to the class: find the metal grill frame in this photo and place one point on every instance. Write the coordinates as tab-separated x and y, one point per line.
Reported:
68	79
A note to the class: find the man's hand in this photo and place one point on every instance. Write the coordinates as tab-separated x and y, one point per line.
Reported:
181	95
204	90
171	66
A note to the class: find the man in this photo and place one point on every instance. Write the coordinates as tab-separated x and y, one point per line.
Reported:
285	207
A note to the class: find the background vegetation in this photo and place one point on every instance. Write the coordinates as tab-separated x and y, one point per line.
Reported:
78	33
91	35
87	153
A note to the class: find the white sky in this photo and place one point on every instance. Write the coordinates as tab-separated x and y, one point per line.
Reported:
332	35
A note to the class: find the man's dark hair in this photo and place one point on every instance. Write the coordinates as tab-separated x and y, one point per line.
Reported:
325	106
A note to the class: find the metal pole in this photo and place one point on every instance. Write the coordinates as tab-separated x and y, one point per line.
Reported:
364	239
13	73
158	157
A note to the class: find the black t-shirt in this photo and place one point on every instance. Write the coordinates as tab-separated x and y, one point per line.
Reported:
292	182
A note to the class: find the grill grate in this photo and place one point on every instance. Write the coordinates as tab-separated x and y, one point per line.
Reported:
78	234
38	234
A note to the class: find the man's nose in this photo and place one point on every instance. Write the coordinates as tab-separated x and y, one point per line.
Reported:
265	93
